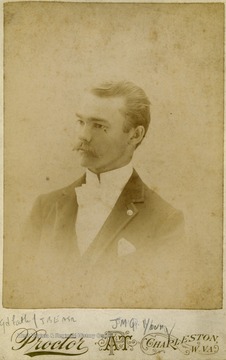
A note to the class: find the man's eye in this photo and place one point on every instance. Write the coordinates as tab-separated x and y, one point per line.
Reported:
99	126
80	122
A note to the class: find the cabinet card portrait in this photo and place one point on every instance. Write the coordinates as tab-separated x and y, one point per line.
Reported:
113	176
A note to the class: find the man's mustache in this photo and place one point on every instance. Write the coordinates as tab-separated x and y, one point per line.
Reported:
86	148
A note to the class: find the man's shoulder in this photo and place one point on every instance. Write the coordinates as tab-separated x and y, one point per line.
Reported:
153	200
55	195
156	201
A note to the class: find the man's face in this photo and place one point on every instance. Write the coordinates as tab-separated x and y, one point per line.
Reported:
101	142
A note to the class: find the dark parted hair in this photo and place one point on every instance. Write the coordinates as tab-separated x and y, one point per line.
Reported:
137	111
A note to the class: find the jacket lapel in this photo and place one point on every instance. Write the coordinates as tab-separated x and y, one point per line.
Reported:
65	218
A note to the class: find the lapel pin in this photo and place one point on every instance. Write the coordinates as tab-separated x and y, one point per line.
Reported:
130	212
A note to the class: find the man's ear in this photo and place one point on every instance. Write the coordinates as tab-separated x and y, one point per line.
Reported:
137	135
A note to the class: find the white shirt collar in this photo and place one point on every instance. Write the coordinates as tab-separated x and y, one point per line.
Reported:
116	178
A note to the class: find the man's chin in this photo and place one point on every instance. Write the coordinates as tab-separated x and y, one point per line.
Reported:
86	161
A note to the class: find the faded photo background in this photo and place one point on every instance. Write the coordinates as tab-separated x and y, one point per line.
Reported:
175	53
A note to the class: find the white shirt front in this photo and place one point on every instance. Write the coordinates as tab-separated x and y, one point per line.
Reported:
96	200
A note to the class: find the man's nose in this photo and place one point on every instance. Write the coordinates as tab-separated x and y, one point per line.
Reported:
85	133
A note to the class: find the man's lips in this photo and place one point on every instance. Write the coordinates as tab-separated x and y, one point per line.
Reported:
84	151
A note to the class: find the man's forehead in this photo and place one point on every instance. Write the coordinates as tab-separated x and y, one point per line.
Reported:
95	105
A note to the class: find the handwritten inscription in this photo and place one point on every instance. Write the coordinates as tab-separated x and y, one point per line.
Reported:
17	321
121	322
34	343
57	319
133	323
149	325
33	320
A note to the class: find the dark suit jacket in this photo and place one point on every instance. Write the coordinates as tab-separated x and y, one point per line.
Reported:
54	274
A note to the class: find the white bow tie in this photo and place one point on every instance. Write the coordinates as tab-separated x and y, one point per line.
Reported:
87	195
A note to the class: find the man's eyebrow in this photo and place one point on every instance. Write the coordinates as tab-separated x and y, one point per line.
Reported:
92	118
79	115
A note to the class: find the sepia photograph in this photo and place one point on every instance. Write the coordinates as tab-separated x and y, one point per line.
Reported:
113	155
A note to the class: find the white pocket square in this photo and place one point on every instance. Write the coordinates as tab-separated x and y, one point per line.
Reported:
125	247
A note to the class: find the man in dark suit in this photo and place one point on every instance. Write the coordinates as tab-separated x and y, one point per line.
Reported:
106	240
